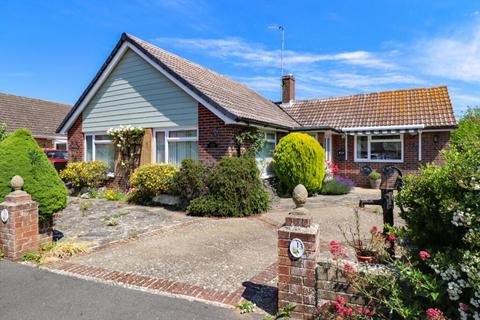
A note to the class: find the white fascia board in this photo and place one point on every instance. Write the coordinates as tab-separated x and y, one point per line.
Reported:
261	127
379	128
187	90
95	88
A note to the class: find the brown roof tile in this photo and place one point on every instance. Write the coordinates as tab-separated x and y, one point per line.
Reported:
428	106
39	116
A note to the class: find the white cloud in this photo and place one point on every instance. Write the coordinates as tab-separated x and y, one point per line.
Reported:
452	57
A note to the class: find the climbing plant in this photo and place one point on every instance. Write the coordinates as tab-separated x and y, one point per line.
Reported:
128	141
251	141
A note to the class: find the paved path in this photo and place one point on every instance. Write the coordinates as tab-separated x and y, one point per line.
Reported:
31	293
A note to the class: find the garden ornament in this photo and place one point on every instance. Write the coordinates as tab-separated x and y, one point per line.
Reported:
17	183
299	197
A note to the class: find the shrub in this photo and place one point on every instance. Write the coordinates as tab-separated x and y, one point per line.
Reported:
111	195
374	175
468	131
190	181
21	155
299	159
234	190
337	186
91	174
151	180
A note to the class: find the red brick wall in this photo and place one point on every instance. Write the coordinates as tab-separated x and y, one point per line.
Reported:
215	138
75	141
44	143
430	153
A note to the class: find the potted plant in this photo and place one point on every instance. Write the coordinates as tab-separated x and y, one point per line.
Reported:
375	179
367	248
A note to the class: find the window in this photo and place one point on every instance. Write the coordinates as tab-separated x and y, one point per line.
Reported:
265	156
100	147
176	145
379	148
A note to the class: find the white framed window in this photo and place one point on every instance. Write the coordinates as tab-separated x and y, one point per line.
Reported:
265	156
173	145
100	147
379	148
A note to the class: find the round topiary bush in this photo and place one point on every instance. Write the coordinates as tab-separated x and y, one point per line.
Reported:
299	158
21	155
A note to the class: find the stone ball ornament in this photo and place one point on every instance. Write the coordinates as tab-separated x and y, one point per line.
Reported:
17	183
300	195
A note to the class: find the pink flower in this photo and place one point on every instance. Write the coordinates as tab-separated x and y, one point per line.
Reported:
336	250
368	312
424	255
374	230
434	313
341	299
348	268
391	237
465	307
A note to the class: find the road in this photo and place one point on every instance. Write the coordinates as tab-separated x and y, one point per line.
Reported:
31	293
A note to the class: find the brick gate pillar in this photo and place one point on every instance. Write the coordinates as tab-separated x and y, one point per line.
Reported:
298	251
19	222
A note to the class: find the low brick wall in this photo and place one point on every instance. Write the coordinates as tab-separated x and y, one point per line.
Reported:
331	283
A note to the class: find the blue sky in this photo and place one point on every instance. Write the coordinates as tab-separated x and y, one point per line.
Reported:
52	49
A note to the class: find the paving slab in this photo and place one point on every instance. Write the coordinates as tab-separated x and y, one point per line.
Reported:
217	253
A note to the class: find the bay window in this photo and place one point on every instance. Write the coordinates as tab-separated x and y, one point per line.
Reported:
100	147
175	145
379	148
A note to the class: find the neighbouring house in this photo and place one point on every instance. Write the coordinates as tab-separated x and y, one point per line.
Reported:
41	117
190	111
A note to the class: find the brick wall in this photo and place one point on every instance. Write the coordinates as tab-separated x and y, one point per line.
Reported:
215	138
75	141
45	143
431	152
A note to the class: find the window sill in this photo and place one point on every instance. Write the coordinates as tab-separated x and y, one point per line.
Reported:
378	161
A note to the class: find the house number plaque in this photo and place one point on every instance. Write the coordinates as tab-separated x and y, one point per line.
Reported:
4	215
296	248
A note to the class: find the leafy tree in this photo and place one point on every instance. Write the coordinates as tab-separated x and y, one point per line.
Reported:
468	131
3	131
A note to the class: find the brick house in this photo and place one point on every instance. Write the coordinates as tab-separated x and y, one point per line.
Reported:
193	112
41	117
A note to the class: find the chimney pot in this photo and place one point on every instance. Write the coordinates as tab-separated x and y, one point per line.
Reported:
288	88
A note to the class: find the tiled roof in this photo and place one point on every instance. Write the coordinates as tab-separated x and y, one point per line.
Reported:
39	116
232	98
428	106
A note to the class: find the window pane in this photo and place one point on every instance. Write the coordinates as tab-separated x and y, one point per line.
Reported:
88	156
386	151
61	146
362	147
180	150
387	137
160	147
267	151
270	136
105	152
182	134
102	137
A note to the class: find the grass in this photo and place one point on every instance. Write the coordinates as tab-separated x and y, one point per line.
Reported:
54	251
85	205
2	255
112	222
245	307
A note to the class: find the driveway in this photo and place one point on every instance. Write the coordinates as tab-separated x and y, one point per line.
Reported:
218	260
28	293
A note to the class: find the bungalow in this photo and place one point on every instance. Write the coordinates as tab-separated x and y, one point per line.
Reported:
41	117
192	112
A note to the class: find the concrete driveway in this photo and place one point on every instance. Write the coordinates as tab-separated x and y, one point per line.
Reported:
217	260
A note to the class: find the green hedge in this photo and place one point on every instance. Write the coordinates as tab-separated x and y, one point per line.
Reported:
190	181
299	159
234	190
21	155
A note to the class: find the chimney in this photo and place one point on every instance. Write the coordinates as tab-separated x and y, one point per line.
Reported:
288	88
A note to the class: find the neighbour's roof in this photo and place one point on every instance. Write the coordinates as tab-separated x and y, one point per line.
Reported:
39	116
428	106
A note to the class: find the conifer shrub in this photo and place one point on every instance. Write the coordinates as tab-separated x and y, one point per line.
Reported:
234	190
21	155
190	182
300	159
